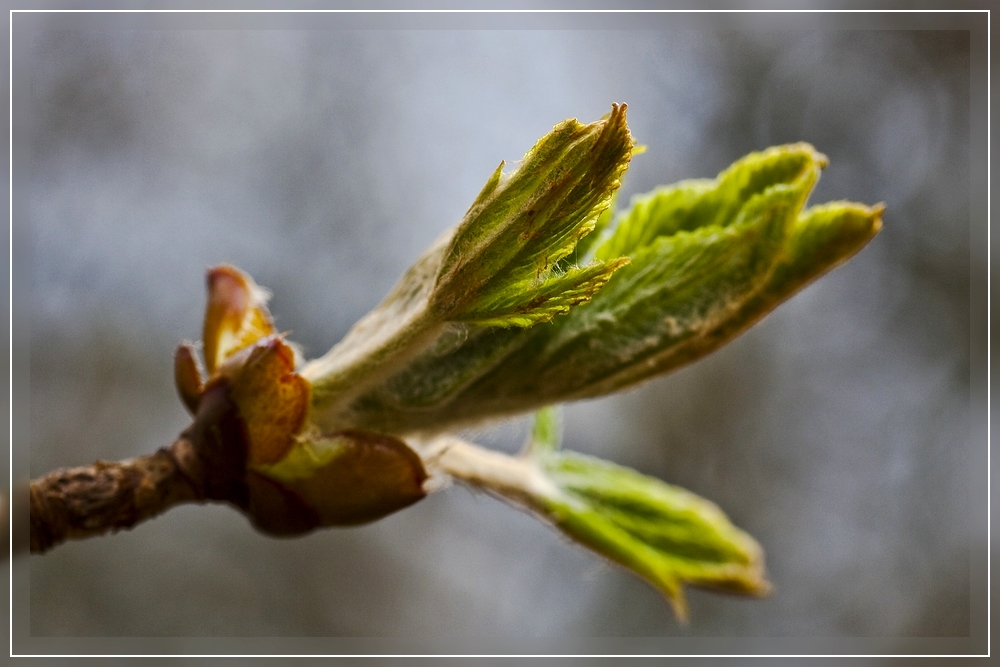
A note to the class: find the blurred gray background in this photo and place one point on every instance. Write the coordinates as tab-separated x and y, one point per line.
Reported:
837	431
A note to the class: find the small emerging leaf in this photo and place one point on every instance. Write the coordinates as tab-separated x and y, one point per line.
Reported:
528	303
698	203
665	534
498	267
709	258
603	222
506	265
822	238
678	287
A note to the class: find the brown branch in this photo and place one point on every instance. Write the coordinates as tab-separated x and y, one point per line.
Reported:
91	500
206	463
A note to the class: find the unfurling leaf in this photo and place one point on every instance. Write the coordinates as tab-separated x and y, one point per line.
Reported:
708	259
661	532
498	268
502	266
539	295
665	534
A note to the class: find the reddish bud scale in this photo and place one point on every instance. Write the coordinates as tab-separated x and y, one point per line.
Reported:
252	409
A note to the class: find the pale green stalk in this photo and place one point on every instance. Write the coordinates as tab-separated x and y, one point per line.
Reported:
360	362
667	535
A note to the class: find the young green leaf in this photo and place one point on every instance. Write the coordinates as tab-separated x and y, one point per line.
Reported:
554	295
538	296
821	238
697	203
708	259
663	533
500	267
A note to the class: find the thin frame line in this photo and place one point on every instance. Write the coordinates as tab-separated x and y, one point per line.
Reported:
490	11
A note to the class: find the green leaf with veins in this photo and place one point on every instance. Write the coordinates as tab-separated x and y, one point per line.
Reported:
540	296
708	259
500	267
663	533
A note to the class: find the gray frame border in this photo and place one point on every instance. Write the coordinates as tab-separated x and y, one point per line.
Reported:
24	23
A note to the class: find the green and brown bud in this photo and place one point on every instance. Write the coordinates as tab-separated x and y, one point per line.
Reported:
707	259
252	412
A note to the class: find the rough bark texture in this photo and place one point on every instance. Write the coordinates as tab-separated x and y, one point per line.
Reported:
91	500
206	463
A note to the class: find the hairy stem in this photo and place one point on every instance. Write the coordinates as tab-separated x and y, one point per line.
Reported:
362	361
510	478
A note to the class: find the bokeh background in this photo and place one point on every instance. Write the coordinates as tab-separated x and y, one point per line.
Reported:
837	431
